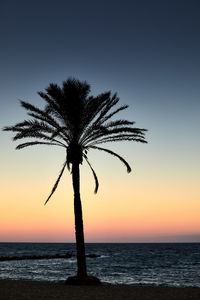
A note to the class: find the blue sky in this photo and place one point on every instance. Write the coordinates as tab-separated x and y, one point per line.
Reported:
147	51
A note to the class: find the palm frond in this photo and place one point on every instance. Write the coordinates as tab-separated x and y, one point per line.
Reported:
56	183
109	104
94	174
51	104
92	132
112	114
117	123
118	138
94	106
30	107
12	128
20	146
26	133
57	132
115	154
52	107
33	129
110	133
63	134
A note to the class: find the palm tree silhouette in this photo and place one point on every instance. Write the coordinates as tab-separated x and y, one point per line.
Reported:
78	122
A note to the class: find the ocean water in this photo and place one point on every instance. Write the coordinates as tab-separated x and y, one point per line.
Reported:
163	264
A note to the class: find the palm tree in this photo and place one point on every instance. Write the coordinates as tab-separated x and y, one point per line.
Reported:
78	122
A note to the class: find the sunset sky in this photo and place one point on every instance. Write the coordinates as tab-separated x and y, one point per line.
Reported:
149	53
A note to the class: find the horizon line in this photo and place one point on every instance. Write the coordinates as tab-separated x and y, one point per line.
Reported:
105	242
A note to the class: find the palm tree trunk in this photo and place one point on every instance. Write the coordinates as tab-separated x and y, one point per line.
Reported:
80	245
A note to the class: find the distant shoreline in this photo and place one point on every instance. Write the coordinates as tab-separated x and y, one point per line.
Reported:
29	290
197	242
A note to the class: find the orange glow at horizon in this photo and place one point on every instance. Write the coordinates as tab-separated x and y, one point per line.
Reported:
128	207
112	215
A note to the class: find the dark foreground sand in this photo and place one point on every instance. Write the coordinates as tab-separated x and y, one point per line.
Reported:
25	290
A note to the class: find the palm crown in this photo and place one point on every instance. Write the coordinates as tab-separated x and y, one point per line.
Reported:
76	121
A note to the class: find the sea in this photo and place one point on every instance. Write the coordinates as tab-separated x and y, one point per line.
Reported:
151	264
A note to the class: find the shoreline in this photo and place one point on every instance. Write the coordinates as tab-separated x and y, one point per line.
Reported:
33	290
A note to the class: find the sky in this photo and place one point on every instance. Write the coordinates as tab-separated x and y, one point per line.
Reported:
147	52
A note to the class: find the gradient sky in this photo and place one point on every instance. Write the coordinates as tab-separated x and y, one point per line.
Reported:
149	53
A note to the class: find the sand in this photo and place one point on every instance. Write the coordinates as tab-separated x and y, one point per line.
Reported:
32	290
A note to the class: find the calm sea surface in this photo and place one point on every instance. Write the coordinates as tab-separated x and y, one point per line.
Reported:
133	264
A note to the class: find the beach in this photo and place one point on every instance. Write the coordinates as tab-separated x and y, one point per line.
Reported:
34	290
